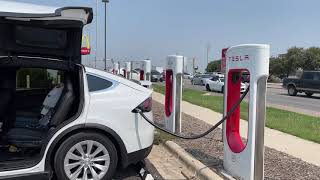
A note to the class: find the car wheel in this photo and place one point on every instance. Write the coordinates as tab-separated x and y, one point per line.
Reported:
292	91
208	87
86	156
222	89
309	94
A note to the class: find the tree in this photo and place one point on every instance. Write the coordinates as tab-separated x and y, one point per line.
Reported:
277	66
293	59
214	66
311	60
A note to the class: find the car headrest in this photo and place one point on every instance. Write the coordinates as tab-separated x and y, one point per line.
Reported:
64	104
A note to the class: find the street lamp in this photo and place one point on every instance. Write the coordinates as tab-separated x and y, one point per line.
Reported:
105	32
208	51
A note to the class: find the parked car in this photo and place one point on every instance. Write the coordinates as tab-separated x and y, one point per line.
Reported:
58	118
309	83
163	75
191	76
156	76
135	75
216	83
186	76
200	79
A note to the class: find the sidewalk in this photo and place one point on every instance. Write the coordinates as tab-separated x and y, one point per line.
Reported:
294	146
166	164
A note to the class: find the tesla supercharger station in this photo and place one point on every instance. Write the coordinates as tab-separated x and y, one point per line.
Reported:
246	161
173	95
127	70
116	68
145	71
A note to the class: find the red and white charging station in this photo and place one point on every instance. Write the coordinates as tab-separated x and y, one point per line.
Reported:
246	161
127	70
116	68
173	95
145	71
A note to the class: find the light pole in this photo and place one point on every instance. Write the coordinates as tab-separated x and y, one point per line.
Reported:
105	32
208	51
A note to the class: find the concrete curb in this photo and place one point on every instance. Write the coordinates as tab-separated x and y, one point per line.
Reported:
196	167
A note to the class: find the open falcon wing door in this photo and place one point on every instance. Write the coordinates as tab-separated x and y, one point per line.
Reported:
30	30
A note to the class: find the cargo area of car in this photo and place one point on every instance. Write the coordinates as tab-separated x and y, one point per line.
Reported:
40	86
23	93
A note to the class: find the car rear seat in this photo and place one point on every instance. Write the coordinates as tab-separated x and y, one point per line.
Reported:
34	137
48	104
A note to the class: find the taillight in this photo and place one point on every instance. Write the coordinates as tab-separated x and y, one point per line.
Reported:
146	106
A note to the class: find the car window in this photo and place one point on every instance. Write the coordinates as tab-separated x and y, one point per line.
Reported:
222	79
308	75
317	76
214	79
96	83
155	73
38	78
206	76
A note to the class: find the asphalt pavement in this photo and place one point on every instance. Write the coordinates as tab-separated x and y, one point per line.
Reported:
278	97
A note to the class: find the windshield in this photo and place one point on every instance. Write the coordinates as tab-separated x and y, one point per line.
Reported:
155	73
206	76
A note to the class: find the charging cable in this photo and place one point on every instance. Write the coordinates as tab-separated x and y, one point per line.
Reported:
233	109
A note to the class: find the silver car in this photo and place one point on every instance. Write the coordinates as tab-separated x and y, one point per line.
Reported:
200	79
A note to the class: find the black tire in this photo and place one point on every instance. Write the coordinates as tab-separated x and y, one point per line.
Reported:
84	136
208	87
292	91
222	89
309	94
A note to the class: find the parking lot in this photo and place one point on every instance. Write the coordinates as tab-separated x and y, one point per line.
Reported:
278	97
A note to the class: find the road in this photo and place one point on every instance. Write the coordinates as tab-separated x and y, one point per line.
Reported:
278	97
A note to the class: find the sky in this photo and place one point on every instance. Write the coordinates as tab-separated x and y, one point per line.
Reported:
156	28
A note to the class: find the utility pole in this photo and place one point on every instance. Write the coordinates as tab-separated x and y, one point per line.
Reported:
105	32
193	66
208	51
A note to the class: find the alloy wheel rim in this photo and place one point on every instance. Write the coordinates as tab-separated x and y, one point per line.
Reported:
291	90
87	160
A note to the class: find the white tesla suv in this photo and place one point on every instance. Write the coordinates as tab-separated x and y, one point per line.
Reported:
57	117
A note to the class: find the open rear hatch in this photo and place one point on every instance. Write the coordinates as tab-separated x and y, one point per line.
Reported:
30	33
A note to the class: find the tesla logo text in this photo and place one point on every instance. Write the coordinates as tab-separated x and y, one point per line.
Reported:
239	58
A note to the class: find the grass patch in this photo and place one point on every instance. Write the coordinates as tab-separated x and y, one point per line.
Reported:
300	125
161	137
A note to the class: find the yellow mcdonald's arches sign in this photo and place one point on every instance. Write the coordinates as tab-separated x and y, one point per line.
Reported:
85	49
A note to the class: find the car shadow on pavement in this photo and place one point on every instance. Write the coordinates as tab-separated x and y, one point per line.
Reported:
131	172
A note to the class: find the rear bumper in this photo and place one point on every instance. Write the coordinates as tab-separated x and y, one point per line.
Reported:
135	157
